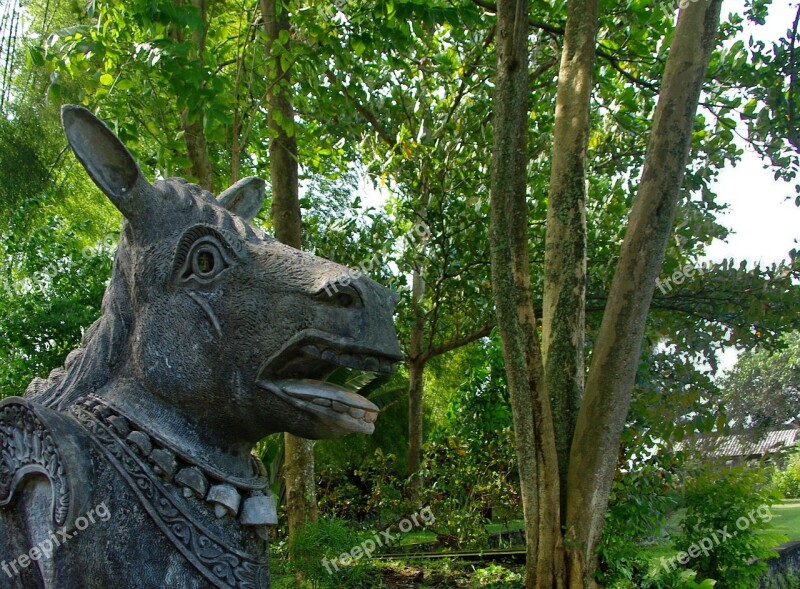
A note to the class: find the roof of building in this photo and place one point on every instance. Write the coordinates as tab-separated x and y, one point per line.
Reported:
746	444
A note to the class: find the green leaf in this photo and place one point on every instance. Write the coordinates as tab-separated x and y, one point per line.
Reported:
359	47
106	79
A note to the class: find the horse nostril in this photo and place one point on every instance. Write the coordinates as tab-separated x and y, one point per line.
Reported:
339	296
343	299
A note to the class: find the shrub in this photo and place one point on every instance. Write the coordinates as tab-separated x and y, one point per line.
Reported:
639	503
466	479
495	576
373	493
726	531
787	481
661	579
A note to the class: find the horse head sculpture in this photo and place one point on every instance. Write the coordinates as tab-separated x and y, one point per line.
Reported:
212	336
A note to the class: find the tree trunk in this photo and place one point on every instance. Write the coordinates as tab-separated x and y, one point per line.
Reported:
416	371
564	297
197	149
192	120
617	351
301	500
511	288
416	363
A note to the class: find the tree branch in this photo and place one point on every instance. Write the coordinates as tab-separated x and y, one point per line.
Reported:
368	115
491	7
614	63
556	30
457	343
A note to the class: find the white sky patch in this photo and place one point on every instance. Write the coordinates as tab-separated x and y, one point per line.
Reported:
764	223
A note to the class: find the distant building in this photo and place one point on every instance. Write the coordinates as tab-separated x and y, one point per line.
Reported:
738	448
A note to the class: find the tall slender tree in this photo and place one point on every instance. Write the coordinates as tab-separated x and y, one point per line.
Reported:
301	499
516	318
564	297
192	118
609	384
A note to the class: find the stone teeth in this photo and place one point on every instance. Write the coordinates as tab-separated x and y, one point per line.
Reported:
370	417
322	402
351	361
357	361
357	413
339	407
312	351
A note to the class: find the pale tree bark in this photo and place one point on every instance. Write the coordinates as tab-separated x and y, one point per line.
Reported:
192	119
564	296
299	471
617	351
416	362
416	371
511	287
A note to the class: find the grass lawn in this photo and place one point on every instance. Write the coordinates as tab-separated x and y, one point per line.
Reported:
787	518
786	521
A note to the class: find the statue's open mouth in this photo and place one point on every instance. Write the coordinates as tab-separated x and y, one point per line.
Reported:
296	374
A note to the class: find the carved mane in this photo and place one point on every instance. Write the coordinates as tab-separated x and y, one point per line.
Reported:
90	367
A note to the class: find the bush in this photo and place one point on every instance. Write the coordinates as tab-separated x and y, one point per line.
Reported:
787	481
639	503
661	579
466	480
726	530
373	493
495	576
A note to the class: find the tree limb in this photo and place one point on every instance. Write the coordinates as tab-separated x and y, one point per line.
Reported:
368	115
458	342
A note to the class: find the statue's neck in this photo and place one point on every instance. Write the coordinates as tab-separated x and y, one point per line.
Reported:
196	441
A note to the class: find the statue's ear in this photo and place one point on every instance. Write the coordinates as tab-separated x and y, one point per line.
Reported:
108	162
244	198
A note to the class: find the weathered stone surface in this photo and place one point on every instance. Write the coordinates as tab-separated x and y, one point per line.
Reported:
113	472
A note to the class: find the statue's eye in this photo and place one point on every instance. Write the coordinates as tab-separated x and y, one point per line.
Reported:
206	260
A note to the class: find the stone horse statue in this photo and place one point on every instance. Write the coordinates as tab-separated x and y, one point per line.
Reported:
131	467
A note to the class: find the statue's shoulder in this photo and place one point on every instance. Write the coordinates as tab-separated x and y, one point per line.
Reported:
37	441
